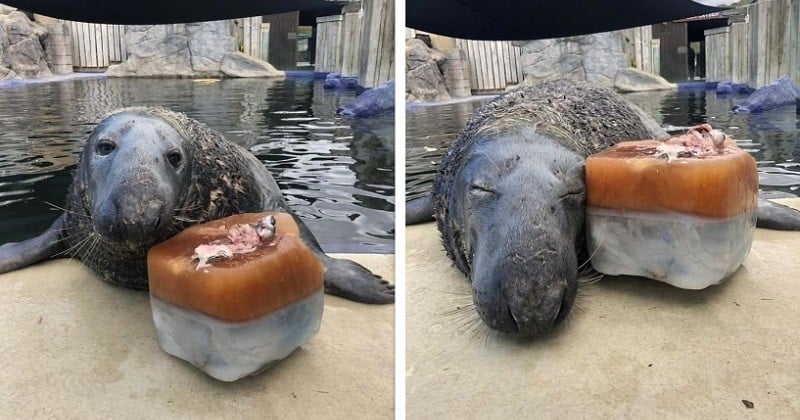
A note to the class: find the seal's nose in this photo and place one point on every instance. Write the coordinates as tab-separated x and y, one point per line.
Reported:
130	218
137	219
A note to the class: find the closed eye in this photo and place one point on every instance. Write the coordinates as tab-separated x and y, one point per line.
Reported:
571	193
481	188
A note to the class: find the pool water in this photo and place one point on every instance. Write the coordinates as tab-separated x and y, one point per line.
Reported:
773	137
336	174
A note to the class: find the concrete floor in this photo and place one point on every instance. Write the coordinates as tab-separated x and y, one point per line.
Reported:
73	346
632	347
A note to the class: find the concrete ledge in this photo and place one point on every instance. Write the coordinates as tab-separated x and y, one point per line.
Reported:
631	348
73	346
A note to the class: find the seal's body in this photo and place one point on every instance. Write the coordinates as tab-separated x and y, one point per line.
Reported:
509	197
147	173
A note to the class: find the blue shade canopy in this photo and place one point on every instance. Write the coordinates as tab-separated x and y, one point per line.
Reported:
151	12
523	20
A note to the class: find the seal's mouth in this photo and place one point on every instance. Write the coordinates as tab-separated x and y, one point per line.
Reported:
524	293
130	226
526	321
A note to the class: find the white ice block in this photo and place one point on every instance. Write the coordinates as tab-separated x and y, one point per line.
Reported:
231	350
686	251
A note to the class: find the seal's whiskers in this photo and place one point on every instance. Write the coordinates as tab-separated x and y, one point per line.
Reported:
86	244
65	210
74	246
185	219
92	247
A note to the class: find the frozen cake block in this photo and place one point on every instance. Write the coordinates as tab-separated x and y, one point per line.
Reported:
235	295
681	211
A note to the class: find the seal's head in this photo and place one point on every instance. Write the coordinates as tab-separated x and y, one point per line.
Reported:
136	169
520	202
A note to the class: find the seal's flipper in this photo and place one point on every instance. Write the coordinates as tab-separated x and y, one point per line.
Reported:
16	255
420	210
777	216
350	280
346	278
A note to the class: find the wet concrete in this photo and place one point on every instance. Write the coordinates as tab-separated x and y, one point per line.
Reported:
73	346
631	348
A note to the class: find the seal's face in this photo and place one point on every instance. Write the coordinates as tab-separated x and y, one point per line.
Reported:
136	169
522	216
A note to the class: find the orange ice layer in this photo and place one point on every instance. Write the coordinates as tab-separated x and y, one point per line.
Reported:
638	176
241	288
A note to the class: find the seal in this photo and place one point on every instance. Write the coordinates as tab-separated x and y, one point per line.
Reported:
509	198
147	173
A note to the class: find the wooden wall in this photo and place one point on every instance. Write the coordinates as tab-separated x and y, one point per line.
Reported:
351	43
329	44
738	55
760	48
283	39
338	43
251	36
95	46
493	65
718	66
639	47
377	43
774	40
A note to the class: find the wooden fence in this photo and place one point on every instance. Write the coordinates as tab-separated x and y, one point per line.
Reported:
759	49
95	46
254	33
493	65
738	55
639	45
328	57
338	41
774	40
376	63
351	42
718	66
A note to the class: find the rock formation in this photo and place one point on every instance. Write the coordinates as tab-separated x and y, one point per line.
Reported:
630	79
372	102
596	58
781	92
424	79
236	64
205	49
21	50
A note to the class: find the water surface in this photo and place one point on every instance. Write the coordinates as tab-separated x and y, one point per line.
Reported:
337	174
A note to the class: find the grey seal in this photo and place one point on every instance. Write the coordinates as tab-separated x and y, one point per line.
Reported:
509	198
145	174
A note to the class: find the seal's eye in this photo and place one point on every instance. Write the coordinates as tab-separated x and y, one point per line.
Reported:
174	157
105	147
481	189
